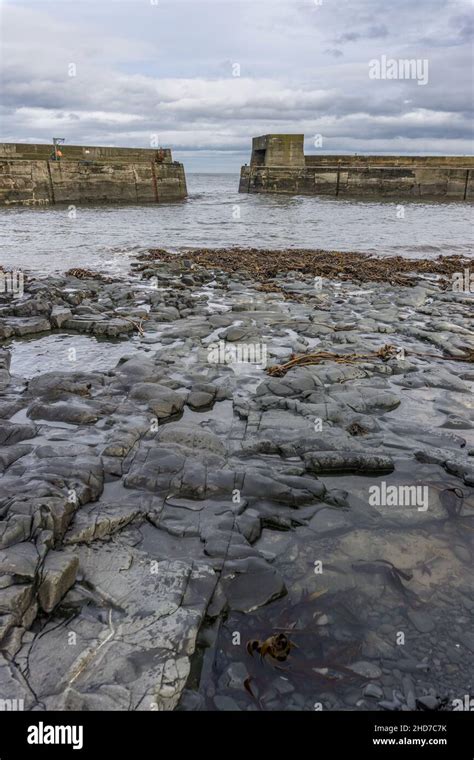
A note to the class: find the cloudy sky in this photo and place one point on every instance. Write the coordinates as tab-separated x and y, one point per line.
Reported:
207	75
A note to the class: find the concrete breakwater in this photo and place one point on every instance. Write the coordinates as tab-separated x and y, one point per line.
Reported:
29	175
279	165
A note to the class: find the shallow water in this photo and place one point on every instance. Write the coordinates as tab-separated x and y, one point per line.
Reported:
216	215
50	353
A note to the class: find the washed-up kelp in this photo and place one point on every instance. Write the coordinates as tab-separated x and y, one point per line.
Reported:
384	353
393	575
87	274
285	640
264	264
277	647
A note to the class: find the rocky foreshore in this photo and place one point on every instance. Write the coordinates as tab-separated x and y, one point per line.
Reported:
202	526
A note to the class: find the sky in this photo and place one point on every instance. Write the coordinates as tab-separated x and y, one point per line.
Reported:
205	76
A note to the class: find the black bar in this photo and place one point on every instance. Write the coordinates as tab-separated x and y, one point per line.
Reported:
365	734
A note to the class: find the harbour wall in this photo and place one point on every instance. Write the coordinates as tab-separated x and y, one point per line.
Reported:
278	165
29	176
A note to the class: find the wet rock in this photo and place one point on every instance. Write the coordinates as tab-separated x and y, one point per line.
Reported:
100	522
56	385
74	414
200	399
234	677
391	705
68	450
11	454
235	548
145	494
28	307
462	553
467	639
162	401
365	400
13	432
153	614
58	575
366	669
16	600
79	324
427	703
237	333
373	691
192	437
253	584
110	697
59	315
283	420
295	383
6	331
283	686
226	703
14	687
322	620
249	524
421	620
20	561
191	701
27	326
167	314
341	461
136	370
328	521
464	470
15	529
5	358
409	692
111	328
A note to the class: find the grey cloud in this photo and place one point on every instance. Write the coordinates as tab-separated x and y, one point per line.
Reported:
373	32
464	25
169	71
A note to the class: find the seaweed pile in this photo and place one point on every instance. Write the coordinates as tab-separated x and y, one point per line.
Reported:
341	265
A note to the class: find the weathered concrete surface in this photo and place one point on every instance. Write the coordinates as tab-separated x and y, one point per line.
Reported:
42	151
278	165
88	175
278	150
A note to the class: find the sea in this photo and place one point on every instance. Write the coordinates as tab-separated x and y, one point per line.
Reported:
215	215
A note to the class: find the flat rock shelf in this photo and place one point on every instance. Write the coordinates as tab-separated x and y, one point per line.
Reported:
183	529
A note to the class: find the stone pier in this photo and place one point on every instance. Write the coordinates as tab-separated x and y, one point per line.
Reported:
30	176
279	165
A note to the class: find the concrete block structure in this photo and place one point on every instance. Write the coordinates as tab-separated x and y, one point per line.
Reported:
278	150
279	165
30	175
